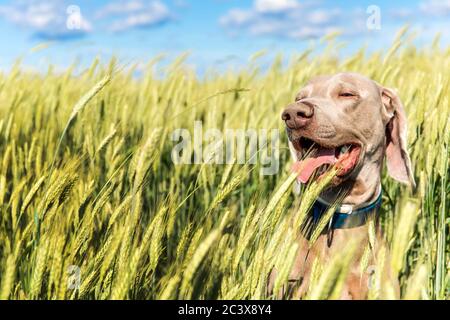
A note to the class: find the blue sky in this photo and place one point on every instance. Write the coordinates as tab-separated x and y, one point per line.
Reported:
217	33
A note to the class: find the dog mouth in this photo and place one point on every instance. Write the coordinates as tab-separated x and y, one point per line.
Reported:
317	159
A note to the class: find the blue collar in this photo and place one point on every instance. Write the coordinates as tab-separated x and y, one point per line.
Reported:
351	219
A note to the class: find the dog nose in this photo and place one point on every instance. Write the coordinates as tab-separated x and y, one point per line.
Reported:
298	115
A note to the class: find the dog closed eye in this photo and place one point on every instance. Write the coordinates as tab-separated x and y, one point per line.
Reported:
347	95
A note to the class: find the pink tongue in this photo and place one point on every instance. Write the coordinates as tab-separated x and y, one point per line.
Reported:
306	167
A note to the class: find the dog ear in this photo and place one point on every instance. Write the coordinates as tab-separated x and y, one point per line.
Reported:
397	157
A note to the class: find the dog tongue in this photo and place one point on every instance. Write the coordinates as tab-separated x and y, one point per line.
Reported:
306	167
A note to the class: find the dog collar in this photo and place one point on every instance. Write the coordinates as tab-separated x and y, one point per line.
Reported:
347	216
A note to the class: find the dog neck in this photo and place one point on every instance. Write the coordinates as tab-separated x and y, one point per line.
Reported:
347	216
360	199
349	207
359	191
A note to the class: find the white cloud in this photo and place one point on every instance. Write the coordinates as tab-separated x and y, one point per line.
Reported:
322	16
275	6
313	32
425	9
303	20
402	12
237	17
135	13
436	7
120	8
288	18
46	19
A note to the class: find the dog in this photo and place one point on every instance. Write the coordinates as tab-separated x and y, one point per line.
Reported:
352	123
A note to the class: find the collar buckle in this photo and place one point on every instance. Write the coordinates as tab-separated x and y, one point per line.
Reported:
346	209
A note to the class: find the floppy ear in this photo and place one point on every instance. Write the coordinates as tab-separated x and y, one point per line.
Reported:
397	157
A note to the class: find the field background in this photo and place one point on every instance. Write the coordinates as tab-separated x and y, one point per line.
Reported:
87	180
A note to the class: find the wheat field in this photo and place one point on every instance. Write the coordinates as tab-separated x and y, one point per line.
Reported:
89	192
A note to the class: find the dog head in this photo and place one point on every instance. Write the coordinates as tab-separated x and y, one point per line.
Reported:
349	121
